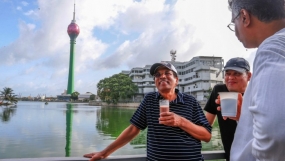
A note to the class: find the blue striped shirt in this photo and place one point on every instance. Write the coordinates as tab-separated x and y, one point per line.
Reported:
165	142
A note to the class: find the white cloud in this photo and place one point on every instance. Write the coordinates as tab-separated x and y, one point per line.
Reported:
19	8
128	34
30	12
24	3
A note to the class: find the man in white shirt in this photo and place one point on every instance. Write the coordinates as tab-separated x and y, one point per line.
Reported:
260	134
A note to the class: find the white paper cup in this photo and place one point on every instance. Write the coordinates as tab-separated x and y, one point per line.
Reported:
228	103
164	106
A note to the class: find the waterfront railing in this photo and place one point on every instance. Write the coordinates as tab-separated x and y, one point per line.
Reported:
208	155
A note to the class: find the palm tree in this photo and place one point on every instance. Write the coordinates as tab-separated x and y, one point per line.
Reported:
8	96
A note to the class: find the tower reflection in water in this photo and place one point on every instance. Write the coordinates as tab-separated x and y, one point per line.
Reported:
69	108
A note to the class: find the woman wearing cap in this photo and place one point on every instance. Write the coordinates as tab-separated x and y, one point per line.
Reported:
174	135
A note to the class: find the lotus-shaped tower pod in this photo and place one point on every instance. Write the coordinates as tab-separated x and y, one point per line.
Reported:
73	31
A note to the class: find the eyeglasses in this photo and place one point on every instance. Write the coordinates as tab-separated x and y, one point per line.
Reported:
158	75
231	26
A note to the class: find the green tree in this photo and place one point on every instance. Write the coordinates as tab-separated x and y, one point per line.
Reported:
115	88
92	97
8	96
74	95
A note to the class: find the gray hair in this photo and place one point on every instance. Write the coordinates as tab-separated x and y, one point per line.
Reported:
264	10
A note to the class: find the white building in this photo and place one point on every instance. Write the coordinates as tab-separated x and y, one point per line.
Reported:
87	95
195	76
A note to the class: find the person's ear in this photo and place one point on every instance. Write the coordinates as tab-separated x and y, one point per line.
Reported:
248	76
177	81
245	16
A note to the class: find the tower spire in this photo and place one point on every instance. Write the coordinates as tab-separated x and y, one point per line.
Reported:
73	21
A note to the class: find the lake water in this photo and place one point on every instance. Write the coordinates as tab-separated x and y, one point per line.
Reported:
58	129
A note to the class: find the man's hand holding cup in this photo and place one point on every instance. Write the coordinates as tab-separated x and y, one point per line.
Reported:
231	103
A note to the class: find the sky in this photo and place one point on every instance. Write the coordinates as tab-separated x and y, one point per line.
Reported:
115	35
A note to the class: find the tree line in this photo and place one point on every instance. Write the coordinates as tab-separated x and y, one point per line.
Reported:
118	87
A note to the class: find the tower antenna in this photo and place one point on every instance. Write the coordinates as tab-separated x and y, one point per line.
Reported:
73	20
173	55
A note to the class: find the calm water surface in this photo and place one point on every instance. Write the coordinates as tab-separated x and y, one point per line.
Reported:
33	129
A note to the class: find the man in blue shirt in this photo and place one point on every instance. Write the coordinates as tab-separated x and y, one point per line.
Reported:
174	135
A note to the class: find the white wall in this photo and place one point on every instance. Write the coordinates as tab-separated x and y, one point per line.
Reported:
147	90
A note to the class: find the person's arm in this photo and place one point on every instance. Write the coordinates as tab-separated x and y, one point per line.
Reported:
172	119
126	136
211	106
198	132
211	118
267	107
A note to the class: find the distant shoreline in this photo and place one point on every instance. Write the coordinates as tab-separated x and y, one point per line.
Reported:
104	104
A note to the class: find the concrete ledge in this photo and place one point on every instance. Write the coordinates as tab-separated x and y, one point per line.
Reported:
131	104
208	155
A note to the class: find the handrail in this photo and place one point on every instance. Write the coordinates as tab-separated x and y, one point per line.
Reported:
208	155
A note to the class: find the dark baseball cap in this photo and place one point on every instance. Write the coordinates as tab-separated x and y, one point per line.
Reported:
238	64
155	66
